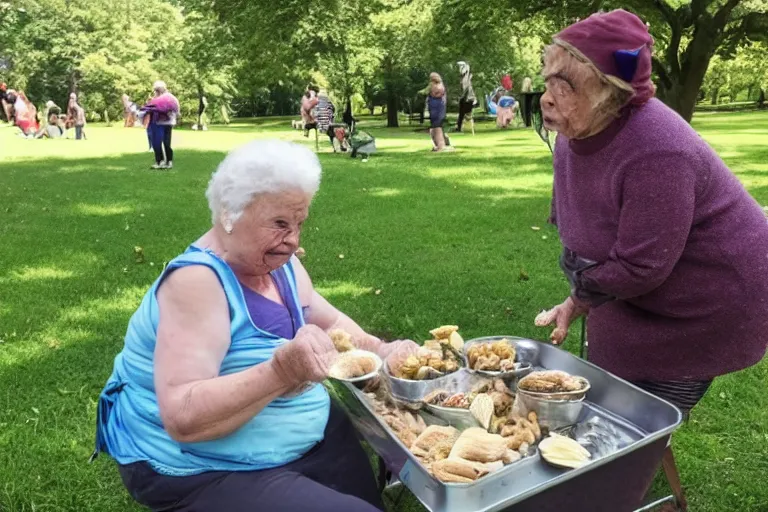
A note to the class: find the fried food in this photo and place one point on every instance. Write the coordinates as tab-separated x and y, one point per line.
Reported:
495	356
444	331
341	339
432	436
502	402
408	369
551	381
436	397
476	444
519	431
435	358
406	425
456	341
459	400
482	409
353	364
457	471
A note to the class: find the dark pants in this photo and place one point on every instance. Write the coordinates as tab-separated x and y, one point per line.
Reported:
79	133
161	139
465	107
683	394
335	476
150	131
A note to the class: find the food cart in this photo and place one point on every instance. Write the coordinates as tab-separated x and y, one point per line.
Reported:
625	429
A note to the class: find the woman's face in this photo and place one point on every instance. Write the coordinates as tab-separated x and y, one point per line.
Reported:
567	106
267	234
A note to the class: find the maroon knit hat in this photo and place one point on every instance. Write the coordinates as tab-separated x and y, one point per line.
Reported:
618	44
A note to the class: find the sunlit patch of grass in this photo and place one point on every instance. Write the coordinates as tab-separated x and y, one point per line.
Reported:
333	289
36	273
103	209
384	192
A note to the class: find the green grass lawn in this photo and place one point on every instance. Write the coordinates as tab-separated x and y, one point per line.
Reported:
446	238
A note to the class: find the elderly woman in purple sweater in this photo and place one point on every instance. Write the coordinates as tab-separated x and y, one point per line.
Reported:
664	249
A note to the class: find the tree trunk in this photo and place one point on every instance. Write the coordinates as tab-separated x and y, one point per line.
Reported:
681	79
393	107
715	94
761	98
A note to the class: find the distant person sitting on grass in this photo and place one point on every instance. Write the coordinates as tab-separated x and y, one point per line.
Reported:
215	401
54	129
52	126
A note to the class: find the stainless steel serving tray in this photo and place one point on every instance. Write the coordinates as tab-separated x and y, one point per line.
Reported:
637	417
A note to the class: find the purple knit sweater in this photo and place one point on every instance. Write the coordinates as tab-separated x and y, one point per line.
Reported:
679	242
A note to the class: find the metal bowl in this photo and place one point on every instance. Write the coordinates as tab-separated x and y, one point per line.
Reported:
522	368
454	416
415	390
362	353
563	395
553	414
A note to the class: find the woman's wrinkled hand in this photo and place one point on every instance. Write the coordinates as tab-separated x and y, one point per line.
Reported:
396	352
308	357
561	316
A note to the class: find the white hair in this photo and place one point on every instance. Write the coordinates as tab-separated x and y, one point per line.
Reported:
259	167
159	86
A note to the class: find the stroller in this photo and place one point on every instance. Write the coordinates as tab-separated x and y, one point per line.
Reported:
362	143
349	136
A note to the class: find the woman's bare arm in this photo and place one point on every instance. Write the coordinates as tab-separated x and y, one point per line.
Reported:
193	336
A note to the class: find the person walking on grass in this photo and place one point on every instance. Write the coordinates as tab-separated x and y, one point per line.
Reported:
164	111
437	103
468	99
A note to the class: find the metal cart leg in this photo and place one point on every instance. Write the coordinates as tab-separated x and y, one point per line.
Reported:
652	506
673	477
676	502
384	475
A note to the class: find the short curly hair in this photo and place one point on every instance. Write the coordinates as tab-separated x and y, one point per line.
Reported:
259	167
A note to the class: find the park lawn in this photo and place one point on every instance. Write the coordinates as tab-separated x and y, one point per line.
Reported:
427	239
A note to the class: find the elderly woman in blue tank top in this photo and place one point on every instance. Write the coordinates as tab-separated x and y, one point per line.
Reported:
213	403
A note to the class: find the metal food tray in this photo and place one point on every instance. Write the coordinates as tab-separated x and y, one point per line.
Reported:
614	481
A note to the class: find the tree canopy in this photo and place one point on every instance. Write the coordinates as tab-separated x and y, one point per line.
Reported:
258	56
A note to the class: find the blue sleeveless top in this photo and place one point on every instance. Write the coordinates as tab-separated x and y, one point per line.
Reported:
129	426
